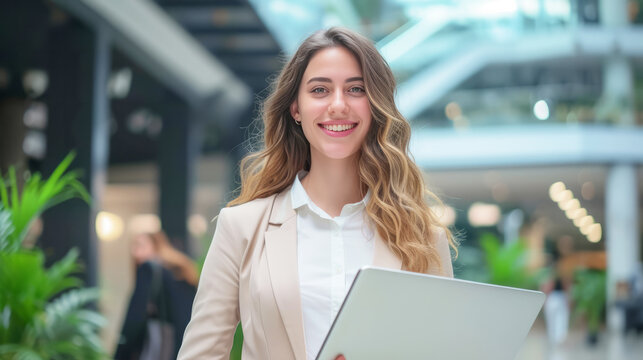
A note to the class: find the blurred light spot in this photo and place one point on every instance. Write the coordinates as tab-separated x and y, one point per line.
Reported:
557	8
35	116
568	205
143	121
555	189
144	223
563	196
576	215
529	7
585	222
453	111
482	214
35	82
595	233
541	110
35	144
446	214
120	83
108	226
587	190
197	225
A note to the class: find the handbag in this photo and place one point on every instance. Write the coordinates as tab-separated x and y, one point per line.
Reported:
159	338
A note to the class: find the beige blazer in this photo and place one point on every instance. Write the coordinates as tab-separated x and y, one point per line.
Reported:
250	275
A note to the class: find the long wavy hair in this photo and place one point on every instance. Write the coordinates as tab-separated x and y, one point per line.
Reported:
397	205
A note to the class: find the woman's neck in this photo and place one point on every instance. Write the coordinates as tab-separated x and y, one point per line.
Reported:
331	184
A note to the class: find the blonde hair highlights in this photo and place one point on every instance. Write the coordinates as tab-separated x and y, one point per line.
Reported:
397	205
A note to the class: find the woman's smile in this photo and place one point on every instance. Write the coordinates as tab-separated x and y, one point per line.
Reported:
338	129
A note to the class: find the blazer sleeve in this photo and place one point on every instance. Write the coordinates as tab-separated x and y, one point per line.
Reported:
444	252
215	311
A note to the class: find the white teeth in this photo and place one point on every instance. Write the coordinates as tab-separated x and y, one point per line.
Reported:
339	128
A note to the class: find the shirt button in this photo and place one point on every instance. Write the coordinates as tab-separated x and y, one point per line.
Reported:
338	270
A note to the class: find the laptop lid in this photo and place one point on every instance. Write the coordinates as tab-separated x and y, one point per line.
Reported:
392	314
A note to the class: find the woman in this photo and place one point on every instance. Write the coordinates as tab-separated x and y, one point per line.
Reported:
332	190
157	262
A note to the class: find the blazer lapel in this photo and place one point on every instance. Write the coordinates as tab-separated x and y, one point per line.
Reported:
281	252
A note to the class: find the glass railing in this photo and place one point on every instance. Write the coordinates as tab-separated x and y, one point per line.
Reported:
441	52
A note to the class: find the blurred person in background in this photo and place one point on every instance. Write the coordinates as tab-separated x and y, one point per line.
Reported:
334	189
166	281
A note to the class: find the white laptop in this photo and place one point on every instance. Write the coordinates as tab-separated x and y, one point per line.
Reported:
390	314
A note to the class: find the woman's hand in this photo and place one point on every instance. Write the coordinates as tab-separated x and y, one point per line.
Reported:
340	357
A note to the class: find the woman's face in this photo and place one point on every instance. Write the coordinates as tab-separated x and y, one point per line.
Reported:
332	105
143	249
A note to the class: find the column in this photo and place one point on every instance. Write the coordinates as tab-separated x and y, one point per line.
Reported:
179	149
79	65
622	227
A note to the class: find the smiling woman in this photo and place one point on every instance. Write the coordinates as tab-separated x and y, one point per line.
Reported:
332	106
332	190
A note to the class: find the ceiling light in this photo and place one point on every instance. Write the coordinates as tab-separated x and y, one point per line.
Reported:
568	205
594	233
481	214
108	226
563	196
541	110
556	188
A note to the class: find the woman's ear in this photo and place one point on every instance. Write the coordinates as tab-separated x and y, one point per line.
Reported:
294	110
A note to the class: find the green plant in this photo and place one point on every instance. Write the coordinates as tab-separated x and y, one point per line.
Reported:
37	196
42	311
507	264
589	294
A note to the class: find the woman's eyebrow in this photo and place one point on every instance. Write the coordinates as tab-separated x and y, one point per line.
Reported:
325	79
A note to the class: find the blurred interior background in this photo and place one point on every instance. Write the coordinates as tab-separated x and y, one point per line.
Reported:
527	119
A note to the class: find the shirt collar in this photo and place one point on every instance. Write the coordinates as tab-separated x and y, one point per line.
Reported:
299	198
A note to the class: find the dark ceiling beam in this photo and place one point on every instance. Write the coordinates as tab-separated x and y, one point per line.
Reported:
238	42
158	44
214	16
227	3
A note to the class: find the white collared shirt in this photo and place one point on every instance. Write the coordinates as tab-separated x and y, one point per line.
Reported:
330	251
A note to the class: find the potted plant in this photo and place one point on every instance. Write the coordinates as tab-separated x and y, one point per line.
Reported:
589	293
507	264
43	312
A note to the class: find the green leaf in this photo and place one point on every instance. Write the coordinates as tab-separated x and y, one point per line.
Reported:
6	229
3	193
39	195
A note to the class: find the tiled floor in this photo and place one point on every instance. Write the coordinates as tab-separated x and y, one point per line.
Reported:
609	347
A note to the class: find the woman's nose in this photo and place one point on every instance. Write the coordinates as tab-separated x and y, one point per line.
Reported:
338	106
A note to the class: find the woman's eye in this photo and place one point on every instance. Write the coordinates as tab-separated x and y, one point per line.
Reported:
356	89
318	90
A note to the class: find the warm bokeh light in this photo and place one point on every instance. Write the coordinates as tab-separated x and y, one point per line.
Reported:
578	214
482	214
555	189
453	111
569	205
197	225
562	196
594	233
585	221
144	223
109	226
